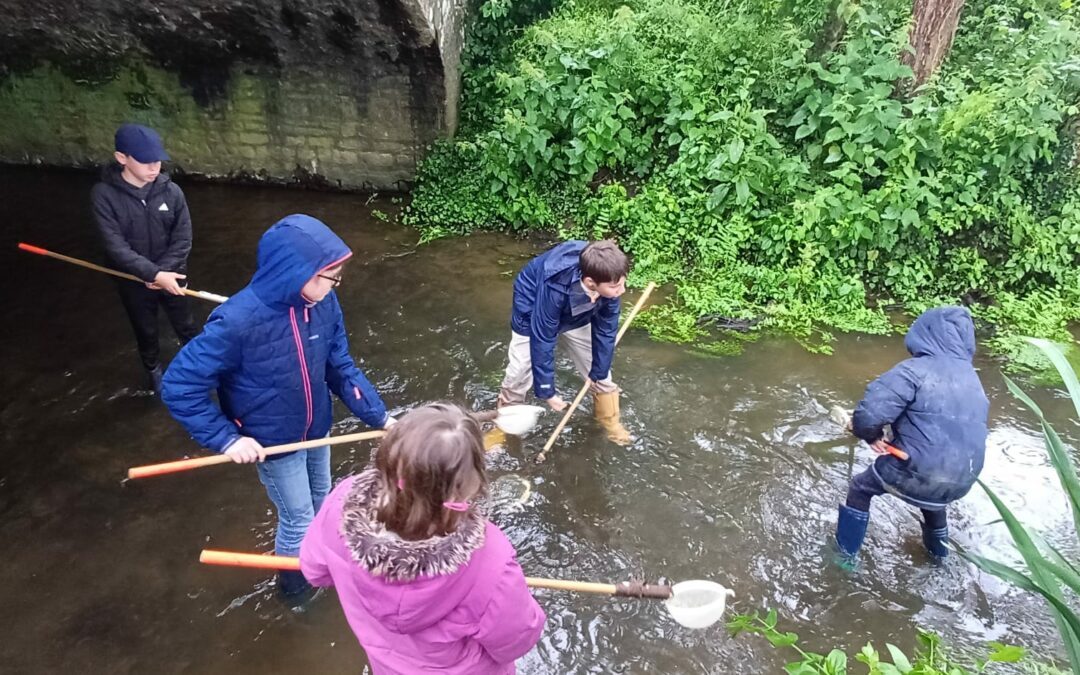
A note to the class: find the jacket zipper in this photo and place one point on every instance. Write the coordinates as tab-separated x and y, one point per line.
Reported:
146	208
303	370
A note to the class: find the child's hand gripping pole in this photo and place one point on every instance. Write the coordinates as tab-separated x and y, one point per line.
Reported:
843	418
588	383
890	449
212	297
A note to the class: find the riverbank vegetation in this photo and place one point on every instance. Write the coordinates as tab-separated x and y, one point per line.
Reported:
796	167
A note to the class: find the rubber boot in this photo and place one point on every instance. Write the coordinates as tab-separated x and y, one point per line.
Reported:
850	531
606	409
494	438
935	540
153	379
292	584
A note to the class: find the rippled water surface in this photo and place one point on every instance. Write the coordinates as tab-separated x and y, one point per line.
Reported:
735	474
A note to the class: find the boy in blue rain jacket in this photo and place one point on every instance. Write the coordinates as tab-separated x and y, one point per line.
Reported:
937	408
274	352
570	292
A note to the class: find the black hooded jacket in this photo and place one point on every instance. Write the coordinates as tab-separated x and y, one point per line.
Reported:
142	237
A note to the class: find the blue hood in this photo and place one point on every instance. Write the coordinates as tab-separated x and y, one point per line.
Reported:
563	257
942	331
292	251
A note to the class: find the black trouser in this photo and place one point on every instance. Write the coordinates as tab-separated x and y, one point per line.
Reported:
866	486
141	304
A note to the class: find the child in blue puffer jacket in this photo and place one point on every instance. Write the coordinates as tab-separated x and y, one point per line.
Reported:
274	352
937	408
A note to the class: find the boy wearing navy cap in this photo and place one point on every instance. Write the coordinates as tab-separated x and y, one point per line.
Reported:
145	227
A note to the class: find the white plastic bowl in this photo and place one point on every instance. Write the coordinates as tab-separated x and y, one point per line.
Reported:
517	419
697	603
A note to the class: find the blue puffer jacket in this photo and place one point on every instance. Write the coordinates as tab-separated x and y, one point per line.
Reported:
273	357
548	300
937	408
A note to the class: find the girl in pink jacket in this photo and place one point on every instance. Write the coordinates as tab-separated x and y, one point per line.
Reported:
427	583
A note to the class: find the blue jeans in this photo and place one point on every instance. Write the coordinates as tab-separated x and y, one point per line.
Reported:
297	484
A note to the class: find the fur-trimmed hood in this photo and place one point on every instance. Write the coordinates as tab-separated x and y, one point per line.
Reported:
409	586
384	554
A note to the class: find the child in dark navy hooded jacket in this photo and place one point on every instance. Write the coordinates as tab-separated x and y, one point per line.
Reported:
274	352
938	410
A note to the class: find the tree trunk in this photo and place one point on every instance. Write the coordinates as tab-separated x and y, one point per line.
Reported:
1072	137
832	32
932	30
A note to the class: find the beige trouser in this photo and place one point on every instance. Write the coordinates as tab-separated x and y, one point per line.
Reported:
519	378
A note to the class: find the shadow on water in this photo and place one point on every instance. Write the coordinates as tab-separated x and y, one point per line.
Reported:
734	476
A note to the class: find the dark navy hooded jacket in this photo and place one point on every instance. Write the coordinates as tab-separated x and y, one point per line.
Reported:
272	356
548	300
937	408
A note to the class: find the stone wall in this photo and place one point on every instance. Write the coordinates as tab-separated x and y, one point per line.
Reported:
344	95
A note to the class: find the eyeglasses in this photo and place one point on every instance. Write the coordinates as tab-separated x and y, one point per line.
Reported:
336	280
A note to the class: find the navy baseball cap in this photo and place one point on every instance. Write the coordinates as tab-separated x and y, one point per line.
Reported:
142	143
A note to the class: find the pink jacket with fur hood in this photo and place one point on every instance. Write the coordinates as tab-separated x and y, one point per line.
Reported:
453	604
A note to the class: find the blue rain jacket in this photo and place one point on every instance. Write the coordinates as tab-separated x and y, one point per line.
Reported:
548	300
938	412
272	356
